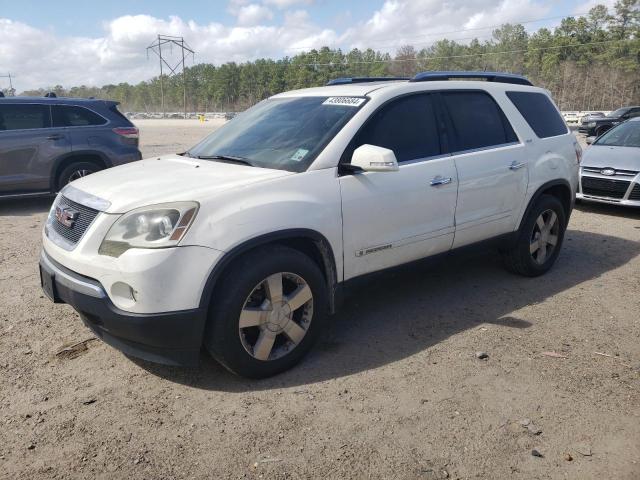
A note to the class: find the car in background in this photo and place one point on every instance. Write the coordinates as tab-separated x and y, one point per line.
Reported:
45	143
597	126
589	117
571	118
610	170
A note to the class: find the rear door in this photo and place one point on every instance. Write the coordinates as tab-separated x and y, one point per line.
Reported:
390	218
491	165
29	147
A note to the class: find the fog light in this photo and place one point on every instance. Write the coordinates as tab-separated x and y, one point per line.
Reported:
124	295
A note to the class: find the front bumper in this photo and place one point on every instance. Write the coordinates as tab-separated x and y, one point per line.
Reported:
628	195
172	338
589	131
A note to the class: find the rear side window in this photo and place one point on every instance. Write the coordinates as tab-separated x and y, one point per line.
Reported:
478	122
24	117
407	126
539	112
71	116
118	113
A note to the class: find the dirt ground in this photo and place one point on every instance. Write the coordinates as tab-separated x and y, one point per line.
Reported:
393	390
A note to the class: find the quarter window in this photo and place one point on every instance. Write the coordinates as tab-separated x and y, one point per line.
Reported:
539	112
24	117
477	121
71	116
407	126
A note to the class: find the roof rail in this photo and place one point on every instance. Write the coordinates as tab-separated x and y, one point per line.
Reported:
499	77
349	80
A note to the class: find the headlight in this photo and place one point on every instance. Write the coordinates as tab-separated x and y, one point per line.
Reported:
591	124
155	226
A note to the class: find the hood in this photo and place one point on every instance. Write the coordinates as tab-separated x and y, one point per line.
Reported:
164	179
620	158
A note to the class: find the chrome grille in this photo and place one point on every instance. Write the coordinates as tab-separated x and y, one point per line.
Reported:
635	193
617	172
603	187
84	218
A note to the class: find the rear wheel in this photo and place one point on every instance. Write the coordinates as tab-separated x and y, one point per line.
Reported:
539	239
267	313
74	171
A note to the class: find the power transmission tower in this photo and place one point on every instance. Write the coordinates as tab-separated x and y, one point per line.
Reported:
170	41
12	91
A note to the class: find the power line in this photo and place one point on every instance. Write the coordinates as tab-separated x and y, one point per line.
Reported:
461	30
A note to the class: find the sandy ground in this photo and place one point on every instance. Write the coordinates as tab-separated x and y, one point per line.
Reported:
394	389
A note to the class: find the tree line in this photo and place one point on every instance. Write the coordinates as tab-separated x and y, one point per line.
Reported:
590	62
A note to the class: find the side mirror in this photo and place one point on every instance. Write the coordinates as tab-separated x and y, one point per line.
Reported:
374	159
590	140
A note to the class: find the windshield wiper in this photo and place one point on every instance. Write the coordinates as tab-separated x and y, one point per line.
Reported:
226	158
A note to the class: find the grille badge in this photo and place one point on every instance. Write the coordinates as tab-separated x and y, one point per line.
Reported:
66	216
608	171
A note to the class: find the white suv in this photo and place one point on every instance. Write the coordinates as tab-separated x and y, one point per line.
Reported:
242	243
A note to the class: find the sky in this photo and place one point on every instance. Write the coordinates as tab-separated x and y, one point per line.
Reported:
68	42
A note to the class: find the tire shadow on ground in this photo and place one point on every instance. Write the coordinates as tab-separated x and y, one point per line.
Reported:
393	315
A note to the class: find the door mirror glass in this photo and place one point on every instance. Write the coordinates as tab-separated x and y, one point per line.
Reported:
374	159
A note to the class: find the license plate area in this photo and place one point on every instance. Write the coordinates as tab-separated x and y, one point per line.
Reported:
48	285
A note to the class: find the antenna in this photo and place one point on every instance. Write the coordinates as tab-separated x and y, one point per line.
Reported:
156	47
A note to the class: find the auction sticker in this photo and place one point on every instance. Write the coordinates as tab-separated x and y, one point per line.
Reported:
344	101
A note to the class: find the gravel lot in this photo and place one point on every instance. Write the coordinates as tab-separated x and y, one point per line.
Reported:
394	389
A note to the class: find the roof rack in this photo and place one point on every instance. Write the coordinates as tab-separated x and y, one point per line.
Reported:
499	77
349	80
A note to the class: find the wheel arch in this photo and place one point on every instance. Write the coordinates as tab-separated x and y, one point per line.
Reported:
63	161
310	242
559	188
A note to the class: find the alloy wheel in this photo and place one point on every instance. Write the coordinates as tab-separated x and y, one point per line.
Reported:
79	174
276	316
544	237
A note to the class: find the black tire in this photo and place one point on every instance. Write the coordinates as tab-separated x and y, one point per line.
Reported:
519	259
601	130
222	335
69	172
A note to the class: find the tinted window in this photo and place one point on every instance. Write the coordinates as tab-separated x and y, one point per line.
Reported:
407	126
634	113
539	112
477	121
22	117
69	116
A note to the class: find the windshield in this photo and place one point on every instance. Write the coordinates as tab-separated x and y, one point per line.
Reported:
618	113
281	133
624	135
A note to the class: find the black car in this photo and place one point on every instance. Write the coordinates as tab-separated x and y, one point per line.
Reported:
597	126
48	142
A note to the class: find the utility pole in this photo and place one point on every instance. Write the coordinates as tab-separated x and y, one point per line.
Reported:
156	47
11	90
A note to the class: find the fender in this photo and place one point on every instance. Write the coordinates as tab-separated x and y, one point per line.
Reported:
324	247
544	187
74	153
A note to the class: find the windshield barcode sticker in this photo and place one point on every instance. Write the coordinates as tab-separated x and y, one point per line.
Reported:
345	101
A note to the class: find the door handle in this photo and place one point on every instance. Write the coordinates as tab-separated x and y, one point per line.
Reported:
440	181
55	136
516	165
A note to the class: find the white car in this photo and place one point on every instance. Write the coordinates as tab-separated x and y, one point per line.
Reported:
243	243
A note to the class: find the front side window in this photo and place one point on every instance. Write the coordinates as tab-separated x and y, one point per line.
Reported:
477	121
24	117
407	126
618	113
624	135
280	133
72	116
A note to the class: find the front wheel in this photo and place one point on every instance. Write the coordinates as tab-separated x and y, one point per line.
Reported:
75	171
268	311
539	239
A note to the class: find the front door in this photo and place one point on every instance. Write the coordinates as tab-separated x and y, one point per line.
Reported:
390	218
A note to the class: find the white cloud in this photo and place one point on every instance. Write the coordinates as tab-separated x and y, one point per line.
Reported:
287	3
253	14
42	58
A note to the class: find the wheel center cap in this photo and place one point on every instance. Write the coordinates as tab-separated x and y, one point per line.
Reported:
279	316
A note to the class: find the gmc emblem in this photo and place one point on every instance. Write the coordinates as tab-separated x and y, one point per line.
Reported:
66	216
